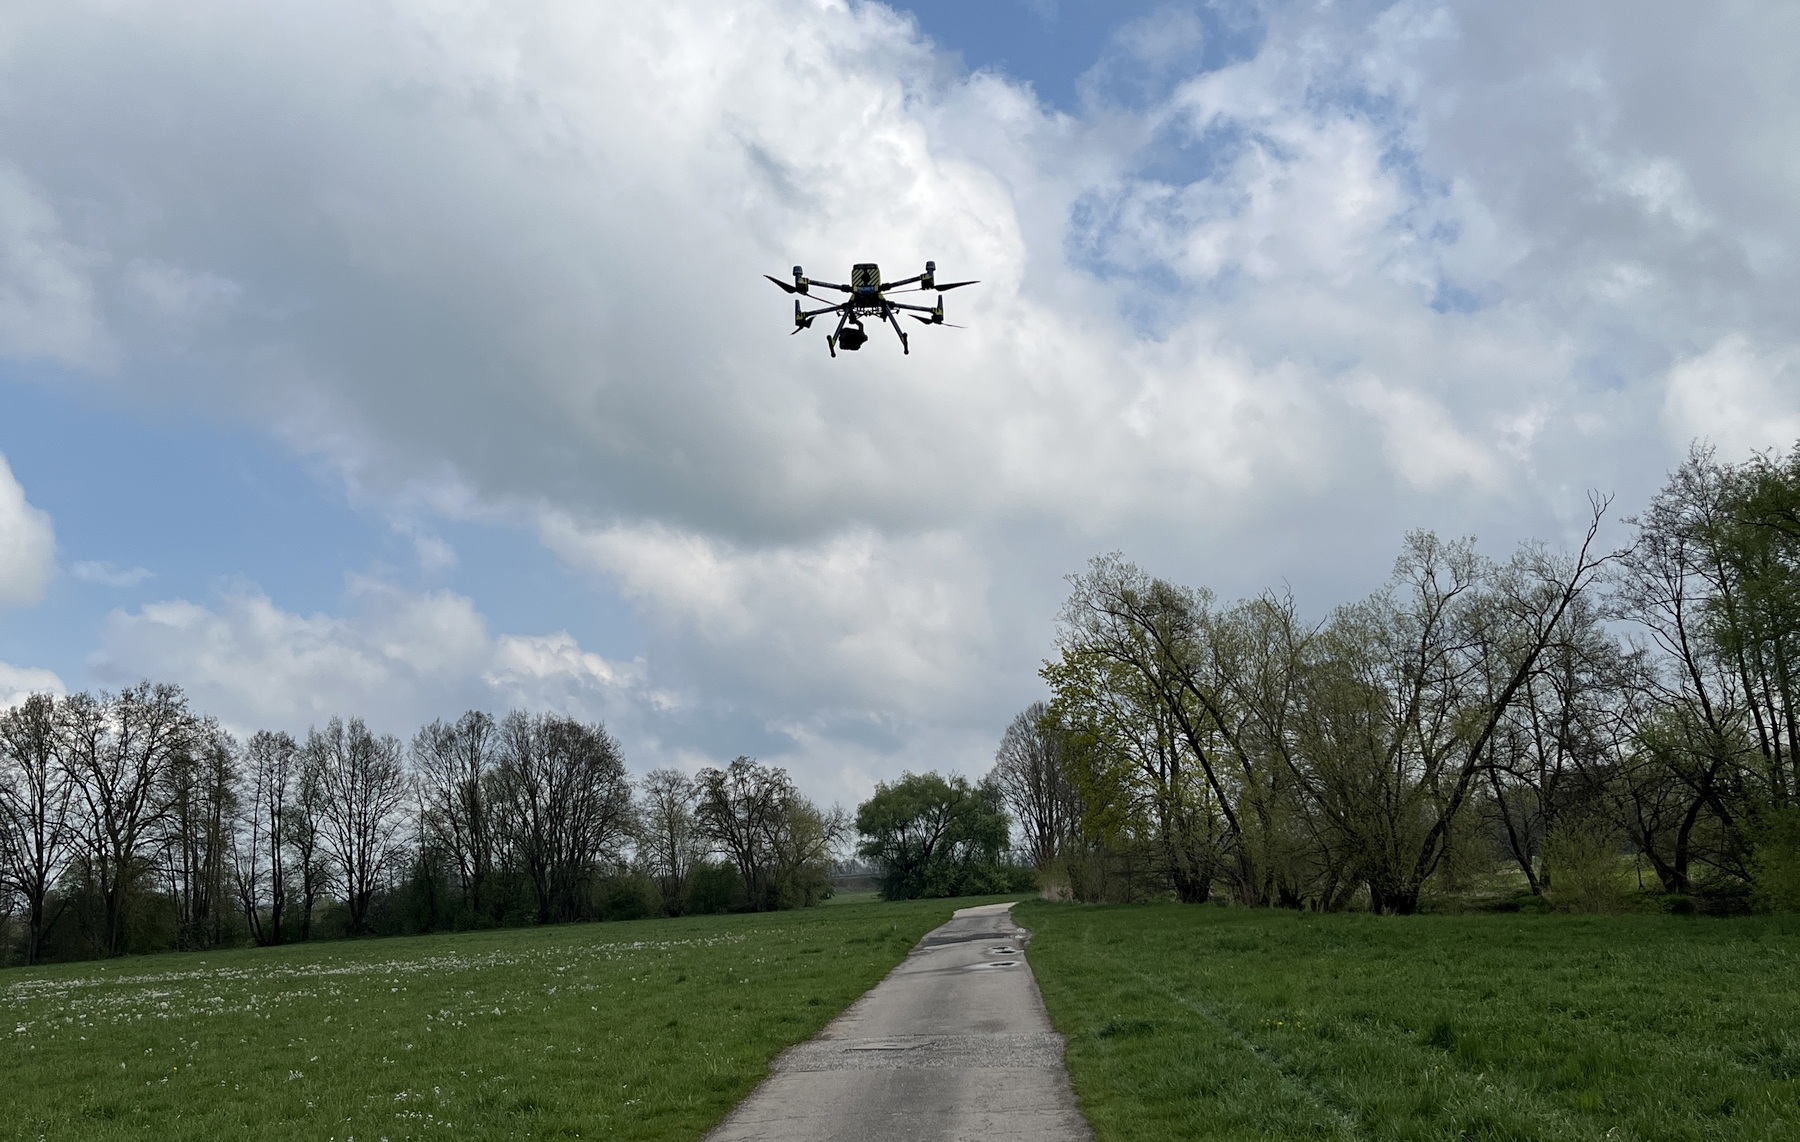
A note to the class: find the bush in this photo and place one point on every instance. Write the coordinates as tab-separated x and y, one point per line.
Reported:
714	888
1583	869
1676	903
1775	862
629	898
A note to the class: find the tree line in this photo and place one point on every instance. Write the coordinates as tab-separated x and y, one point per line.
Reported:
129	822
1571	716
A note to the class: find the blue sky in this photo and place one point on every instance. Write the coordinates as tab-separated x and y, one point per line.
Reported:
351	359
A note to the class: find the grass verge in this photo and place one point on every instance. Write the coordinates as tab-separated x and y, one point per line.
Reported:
645	1030
1200	1023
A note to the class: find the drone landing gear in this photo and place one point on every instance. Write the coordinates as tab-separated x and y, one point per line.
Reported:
831	343
905	349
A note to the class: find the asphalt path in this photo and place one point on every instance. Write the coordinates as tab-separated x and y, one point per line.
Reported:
953	1046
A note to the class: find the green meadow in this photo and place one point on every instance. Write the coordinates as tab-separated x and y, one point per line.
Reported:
643	1030
1216	1023
1182	1023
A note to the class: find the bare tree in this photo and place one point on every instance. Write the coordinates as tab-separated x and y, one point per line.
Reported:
568	805
802	839
362	787
456	766
259	854
37	829
199	804
1029	772
738	809
668	838
304	831
116	749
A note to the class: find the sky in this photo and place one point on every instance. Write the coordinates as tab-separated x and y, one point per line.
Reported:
392	358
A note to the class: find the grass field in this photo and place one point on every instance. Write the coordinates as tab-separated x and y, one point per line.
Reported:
1212	1023
646	1030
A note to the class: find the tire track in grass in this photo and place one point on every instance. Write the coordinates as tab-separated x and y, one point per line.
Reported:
1296	1083
1541	1118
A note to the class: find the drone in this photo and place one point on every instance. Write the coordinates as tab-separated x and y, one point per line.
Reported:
868	298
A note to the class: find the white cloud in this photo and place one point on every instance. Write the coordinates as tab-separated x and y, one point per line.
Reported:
1421	440
107	575
18	683
46	293
1741	400
857	622
27	544
1440	261
400	660
434	553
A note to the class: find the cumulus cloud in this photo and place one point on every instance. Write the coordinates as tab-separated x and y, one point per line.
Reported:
400	659
1422	442
1741	400
18	683
1430	258
27	544
856	622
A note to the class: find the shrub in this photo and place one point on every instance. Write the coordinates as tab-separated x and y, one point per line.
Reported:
714	887
1583	870
1775	862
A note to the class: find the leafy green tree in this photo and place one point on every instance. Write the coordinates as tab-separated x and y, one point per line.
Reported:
932	836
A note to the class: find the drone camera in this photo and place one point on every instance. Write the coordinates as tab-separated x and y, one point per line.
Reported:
851	339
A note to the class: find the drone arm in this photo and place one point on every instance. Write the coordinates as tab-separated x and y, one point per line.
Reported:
817	284
903	305
817	312
885	286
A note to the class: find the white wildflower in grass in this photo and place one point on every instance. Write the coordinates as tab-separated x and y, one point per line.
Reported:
376	1033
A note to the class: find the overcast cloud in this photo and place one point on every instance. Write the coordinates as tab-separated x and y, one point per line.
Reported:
1443	264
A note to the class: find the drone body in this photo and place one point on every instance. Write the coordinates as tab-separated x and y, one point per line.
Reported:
867	298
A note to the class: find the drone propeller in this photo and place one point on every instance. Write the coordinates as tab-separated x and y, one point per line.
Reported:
952	285
783	285
928	321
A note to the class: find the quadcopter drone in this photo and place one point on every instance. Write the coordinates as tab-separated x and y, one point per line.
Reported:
868	298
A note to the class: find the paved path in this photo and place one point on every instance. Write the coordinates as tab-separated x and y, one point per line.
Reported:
953	1046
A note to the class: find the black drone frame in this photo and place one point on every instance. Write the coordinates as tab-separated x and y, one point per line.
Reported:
866	301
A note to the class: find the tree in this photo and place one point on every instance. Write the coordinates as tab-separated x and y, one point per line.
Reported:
928	834
1421	678
668	837
1693	733
568	805
738	813
37	829
199	799
116	749
1030	773
1132	677
260	852
802	838
304	832
457	765
361	787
